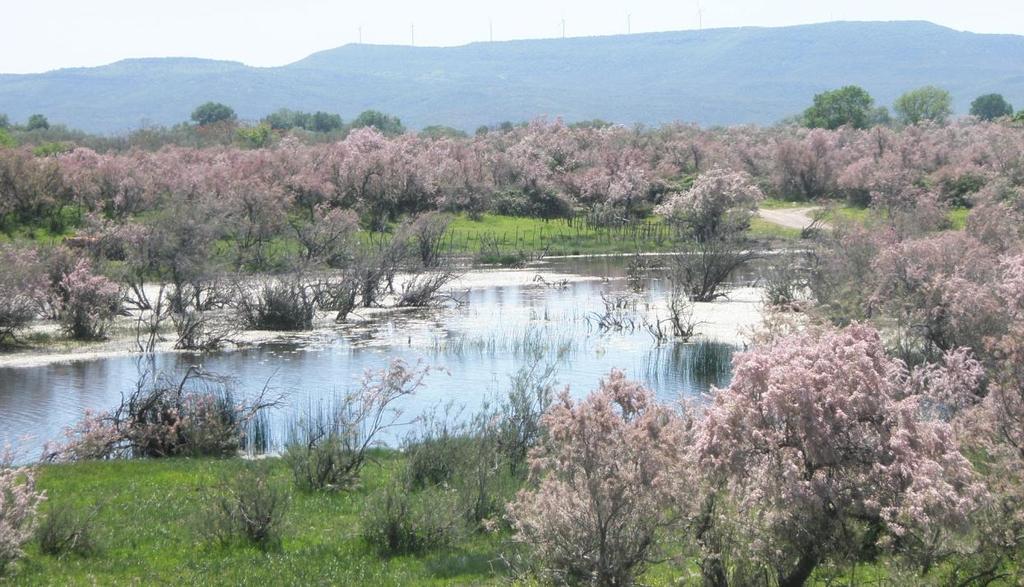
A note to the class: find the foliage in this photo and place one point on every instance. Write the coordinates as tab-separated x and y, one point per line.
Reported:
210	113
990	107
825	447
927	104
440	131
700	270
283	303
19	502
718	206
68	530
848	106
37	122
328	447
385	123
196	415
318	121
255	137
21	283
248	505
402	522
90	302
603	485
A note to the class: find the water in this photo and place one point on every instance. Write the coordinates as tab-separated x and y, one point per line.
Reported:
506	322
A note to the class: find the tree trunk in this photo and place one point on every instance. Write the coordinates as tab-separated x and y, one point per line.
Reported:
798	576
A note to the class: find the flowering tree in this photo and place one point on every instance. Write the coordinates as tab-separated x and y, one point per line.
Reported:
19	501
806	167
604	485
937	289
21	282
718	206
822	445
30	187
90	302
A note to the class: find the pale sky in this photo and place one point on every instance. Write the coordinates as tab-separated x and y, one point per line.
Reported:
39	35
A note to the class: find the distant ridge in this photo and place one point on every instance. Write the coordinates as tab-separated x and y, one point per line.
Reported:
719	76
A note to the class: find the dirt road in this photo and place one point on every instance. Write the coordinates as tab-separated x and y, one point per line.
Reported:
798	218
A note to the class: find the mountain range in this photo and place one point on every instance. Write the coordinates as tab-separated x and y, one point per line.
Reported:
710	77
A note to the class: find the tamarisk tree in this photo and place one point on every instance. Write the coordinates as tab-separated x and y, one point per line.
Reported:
824	447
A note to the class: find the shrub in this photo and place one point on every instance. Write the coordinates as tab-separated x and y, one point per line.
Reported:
424	289
194	416
277	304
19	502
604	485
403	522
785	283
701	270
90	302
248	506
428	231
826	452
21	283
437	453
520	412
68	530
167	420
719	205
200	331
328	447
467	458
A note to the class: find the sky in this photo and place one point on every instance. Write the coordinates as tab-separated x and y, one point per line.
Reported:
48	34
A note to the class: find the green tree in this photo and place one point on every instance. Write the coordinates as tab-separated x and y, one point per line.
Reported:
211	113
4	121
930	103
6	140
255	137
285	119
438	131
385	123
37	121
880	117
990	107
847	106
324	122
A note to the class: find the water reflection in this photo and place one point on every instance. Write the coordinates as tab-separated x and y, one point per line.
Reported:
480	344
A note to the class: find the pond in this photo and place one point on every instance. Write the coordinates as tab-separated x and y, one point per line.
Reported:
506	319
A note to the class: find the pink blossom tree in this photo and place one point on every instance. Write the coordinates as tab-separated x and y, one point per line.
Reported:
19	502
822	445
718	206
22	284
90	302
603	485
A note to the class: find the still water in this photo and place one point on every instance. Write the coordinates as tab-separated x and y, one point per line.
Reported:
506	321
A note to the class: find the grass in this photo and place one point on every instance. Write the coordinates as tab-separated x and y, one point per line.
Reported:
493	235
845	212
557	237
761	229
148	531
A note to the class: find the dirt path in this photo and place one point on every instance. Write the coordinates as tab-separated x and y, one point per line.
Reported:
798	218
